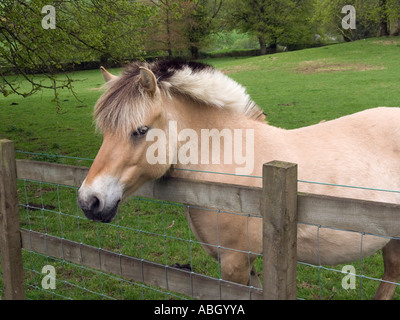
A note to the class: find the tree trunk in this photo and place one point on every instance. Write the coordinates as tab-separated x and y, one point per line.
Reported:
194	51
383	24
273	46
263	46
383	29
169	44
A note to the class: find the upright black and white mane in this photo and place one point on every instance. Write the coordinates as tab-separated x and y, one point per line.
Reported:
125	100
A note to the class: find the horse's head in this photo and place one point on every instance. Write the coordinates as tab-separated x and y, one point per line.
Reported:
138	115
126	113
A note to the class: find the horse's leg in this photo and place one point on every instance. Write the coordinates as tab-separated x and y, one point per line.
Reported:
228	239
239	267
391	261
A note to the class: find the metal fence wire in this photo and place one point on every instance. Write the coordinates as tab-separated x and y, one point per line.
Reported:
152	231
53	210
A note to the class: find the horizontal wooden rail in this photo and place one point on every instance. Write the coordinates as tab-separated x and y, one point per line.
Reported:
376	218
220	196
51	172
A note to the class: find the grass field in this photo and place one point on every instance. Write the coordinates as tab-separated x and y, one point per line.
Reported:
295	89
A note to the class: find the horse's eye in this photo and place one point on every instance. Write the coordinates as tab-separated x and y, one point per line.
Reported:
141	131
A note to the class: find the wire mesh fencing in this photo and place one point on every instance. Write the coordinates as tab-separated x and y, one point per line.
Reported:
147	229
159	237
355	280
52	210
360	278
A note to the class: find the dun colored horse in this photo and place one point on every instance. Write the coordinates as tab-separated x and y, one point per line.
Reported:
166	115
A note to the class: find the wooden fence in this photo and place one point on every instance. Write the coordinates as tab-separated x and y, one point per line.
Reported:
278	203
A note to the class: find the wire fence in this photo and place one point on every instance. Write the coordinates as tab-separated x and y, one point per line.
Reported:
151	230
156	231
148	229
357	280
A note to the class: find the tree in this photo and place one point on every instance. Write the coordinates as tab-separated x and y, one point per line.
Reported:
383	19
115	29
373	17
85	30
272	21
200	22
181	24
328	17
393	12
167	30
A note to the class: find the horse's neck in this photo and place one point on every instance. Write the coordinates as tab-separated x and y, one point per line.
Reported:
252	142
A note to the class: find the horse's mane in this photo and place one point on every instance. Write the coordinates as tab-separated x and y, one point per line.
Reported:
199	82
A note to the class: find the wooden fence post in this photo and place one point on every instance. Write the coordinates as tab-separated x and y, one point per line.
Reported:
10	236
279	212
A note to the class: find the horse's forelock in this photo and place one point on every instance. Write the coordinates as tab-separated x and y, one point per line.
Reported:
122	107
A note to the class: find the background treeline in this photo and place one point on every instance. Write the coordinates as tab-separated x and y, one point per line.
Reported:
112	32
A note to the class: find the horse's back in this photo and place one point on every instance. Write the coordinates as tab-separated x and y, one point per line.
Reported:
362	150
381	117
377	126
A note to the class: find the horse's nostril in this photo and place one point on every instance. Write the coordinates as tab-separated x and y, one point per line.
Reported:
94	205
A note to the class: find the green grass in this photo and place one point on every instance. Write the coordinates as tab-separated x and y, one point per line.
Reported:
34	124
295	89
301	88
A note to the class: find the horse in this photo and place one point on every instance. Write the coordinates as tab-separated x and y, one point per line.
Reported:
166	103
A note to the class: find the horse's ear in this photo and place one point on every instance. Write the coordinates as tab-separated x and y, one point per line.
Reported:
148	80
106	75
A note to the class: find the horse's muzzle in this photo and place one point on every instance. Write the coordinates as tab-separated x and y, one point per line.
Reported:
95	210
